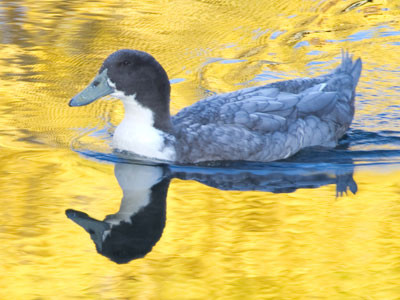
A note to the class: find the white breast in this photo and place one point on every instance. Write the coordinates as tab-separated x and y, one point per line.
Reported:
136	133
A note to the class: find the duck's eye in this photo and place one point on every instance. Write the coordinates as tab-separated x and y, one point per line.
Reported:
126	62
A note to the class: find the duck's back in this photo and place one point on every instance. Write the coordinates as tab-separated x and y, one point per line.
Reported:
269	122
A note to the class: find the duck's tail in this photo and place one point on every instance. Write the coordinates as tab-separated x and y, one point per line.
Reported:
350	67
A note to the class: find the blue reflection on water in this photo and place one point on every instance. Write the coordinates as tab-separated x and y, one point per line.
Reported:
353	149
176	80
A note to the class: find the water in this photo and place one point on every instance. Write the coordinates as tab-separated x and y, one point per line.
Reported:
282	230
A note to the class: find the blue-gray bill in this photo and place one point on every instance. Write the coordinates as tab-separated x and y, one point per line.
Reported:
98	88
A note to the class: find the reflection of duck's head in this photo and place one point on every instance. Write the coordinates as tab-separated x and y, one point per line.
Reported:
135	229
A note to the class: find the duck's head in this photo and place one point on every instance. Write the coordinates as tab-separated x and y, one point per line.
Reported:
129	74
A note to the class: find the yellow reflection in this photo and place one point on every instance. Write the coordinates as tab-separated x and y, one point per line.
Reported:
216	245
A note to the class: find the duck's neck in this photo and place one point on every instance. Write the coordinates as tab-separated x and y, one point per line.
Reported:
145	131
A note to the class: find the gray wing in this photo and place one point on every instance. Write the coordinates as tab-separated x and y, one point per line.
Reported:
271	121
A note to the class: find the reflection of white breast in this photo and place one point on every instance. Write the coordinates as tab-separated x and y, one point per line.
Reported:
132	177
136	182
136	133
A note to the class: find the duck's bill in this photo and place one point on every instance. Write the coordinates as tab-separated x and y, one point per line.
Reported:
98	88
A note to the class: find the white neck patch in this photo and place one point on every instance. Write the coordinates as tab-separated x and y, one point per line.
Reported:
136	133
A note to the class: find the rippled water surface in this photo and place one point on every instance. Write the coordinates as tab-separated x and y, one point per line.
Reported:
283	230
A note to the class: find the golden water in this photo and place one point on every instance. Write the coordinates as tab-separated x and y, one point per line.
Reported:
216	244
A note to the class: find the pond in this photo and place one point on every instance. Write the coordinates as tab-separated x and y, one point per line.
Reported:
324	224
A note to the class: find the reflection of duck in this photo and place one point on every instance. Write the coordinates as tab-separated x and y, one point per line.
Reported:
263	123
136	228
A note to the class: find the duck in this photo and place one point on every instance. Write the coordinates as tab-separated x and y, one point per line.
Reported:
262	123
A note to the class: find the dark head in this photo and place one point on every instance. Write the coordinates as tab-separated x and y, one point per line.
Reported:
128	73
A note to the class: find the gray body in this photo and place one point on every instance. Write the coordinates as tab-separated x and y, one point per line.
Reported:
269	122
